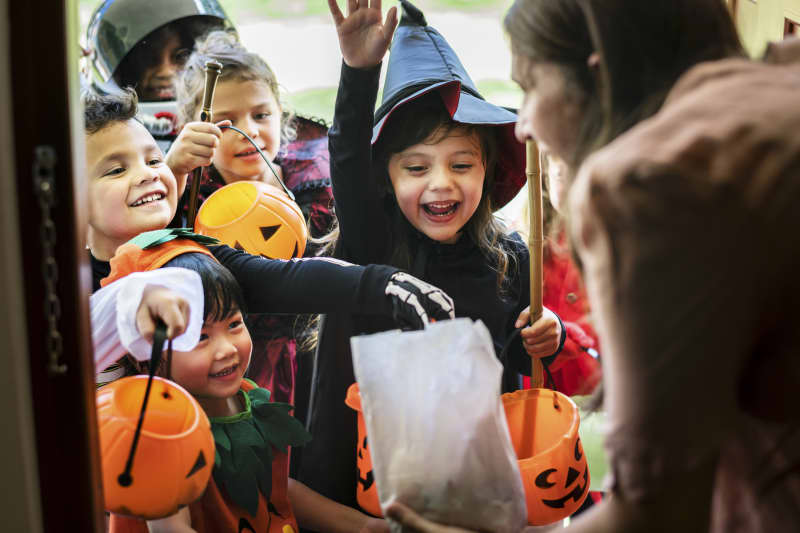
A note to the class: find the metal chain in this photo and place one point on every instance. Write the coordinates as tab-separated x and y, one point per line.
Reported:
44	186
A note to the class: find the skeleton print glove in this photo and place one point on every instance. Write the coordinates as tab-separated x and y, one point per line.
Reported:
415	302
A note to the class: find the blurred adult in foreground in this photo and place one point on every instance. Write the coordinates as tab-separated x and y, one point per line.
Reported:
682	214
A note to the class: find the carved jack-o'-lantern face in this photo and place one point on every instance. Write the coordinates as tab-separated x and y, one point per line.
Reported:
366	489
567	486
174	455
543	425
254	217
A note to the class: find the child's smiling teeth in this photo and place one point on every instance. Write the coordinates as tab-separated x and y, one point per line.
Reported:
225	372
149	198
440	208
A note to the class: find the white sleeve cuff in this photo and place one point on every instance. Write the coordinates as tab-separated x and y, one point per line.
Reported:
186	283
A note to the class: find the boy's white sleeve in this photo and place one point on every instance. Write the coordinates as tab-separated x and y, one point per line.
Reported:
114	307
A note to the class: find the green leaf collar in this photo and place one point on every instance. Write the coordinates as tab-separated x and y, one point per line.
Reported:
244	444
150	239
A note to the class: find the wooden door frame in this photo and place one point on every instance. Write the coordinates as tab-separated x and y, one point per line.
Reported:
46	113
732	7
788	26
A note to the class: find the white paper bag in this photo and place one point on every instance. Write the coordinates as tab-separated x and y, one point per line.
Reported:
436	426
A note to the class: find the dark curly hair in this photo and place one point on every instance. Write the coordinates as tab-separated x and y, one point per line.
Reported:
102	110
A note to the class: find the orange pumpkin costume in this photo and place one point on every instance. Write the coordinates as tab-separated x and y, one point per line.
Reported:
154	249
249	483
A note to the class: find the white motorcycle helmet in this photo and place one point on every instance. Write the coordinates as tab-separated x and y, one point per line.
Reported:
142	44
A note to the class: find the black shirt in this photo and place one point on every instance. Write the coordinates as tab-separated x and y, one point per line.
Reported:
328	463
298	286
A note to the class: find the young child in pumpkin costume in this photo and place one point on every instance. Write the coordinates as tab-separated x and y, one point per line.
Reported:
416	186
250	487
247	95
132	190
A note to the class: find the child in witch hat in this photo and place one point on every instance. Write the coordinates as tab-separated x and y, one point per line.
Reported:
250	487
415	186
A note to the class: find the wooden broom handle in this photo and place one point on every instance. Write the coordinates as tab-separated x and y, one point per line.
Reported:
535	244
213	70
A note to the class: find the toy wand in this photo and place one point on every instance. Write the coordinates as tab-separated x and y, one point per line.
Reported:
535	242
213	70
125	479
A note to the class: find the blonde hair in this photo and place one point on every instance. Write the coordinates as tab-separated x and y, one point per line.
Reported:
238	64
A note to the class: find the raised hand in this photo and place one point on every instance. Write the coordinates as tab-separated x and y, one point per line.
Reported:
195	147
363	37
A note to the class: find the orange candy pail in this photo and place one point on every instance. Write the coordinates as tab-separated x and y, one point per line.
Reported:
255	217
366	488
175	453
543	425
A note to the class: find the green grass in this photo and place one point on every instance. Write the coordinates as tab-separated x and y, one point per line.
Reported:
464	5
314	103
246	10
591	432
242	11
501	92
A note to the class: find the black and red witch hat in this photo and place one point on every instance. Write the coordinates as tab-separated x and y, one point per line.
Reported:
422	61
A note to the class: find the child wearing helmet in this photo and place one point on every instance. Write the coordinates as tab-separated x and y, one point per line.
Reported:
211	365
418	189
247	97
132	190
144	45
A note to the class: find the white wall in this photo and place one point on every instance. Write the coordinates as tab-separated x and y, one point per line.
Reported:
761	21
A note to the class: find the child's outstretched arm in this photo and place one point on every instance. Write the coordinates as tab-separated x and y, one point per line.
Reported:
195	147
165	305
123	315
325	285
363	40
314	511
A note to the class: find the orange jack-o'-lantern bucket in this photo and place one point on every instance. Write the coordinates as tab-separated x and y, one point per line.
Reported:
366	489
174	455
543	424
254	217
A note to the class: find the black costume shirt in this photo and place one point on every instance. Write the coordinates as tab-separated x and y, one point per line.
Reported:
328	463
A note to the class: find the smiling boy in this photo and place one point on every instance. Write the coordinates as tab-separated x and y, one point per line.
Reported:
131	188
